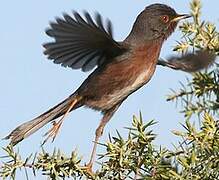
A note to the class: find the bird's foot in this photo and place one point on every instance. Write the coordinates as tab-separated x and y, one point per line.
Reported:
89	170
52	133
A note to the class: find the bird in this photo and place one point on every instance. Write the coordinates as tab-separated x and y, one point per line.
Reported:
119	68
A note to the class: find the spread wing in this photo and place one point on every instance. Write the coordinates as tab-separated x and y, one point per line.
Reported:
190	62
81	42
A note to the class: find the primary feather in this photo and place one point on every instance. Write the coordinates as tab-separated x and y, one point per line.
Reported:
81	42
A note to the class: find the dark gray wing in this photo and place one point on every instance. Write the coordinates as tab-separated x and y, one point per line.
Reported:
190	62
81	42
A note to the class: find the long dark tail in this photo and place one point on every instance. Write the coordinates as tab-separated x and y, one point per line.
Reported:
28	128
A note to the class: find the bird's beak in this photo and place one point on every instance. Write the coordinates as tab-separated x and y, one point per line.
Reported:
180	17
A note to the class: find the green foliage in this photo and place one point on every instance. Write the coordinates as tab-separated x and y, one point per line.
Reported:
135	156
198	34
201	94
199	159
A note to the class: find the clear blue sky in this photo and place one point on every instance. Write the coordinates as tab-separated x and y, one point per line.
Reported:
30	84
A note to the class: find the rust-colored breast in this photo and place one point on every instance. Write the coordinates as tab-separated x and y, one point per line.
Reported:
123	76
145	58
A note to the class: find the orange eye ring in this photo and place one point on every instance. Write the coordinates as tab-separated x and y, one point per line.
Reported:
165	18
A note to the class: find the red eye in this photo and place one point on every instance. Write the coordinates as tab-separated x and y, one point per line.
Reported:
165	18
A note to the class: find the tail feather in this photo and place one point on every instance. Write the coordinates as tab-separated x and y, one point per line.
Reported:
28	128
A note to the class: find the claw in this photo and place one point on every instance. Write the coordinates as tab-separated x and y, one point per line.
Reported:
89	170
52	133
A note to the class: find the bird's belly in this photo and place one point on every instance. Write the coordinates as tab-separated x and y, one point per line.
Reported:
114	83
117	95
121	94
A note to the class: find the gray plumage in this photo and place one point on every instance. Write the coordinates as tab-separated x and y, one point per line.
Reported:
190	62
81	42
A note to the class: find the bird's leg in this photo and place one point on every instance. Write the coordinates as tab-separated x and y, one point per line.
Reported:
56	125
99	131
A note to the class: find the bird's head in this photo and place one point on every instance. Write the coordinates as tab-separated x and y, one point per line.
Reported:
156	21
